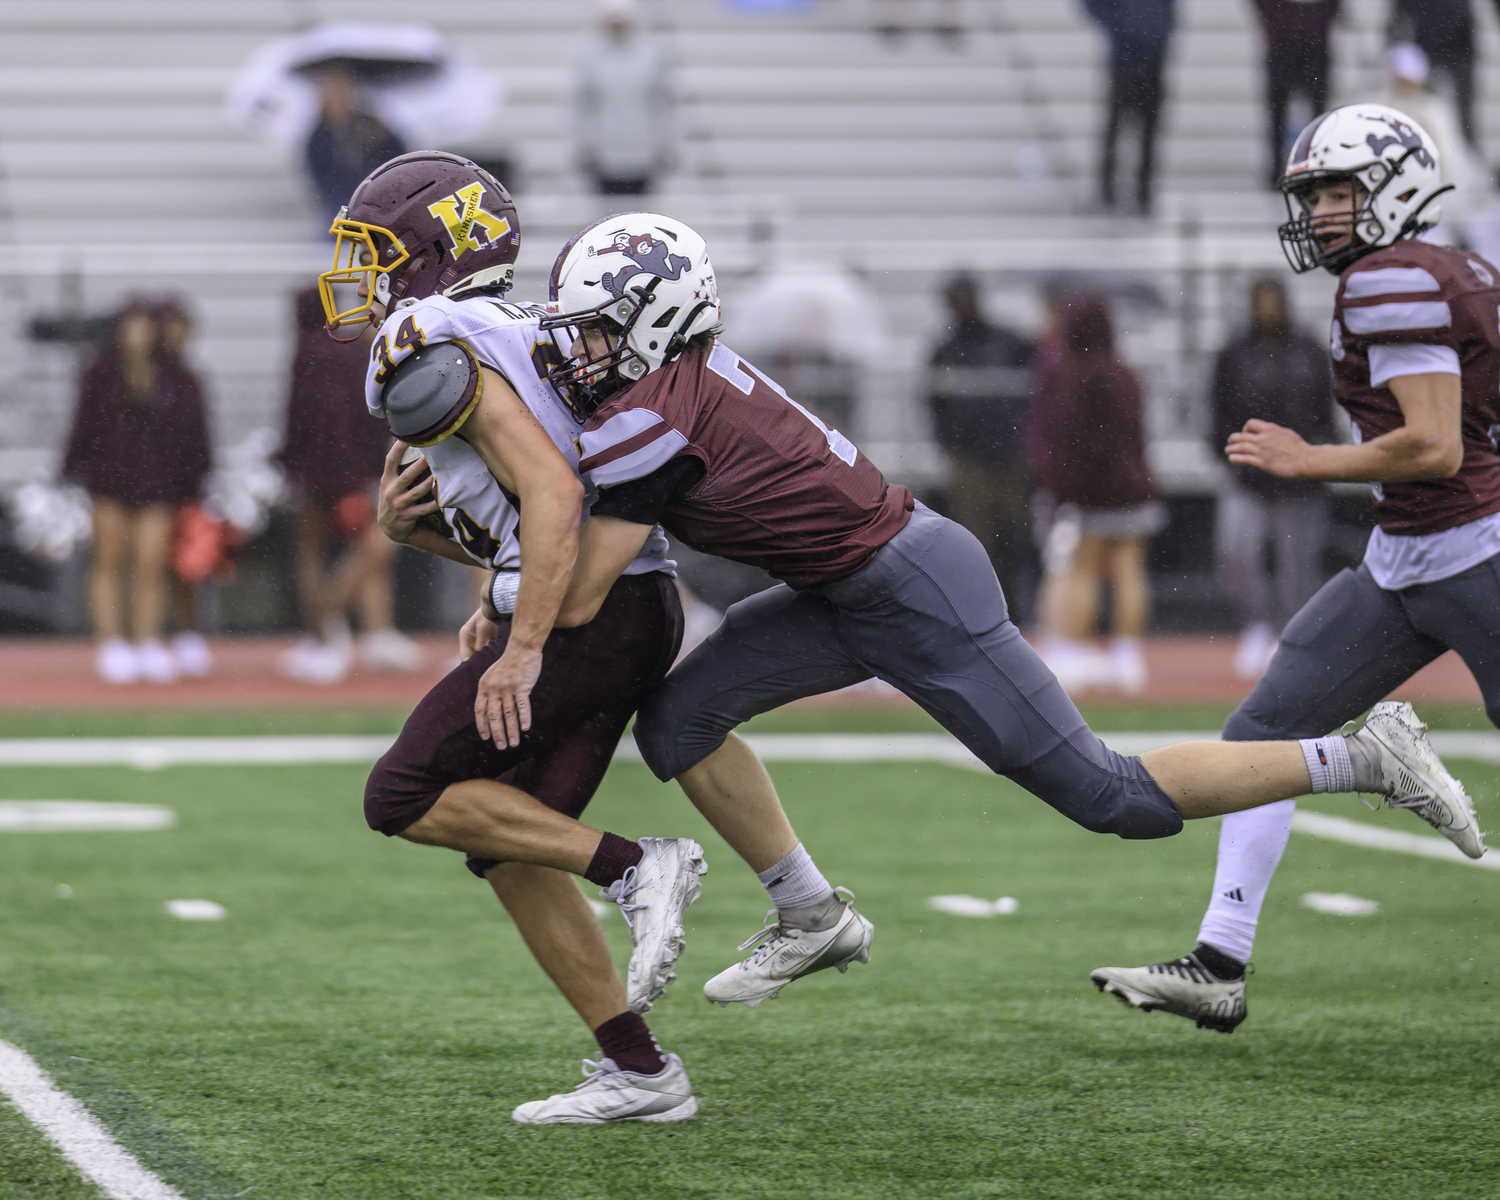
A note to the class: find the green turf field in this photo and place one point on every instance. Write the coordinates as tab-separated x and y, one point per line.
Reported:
365	1019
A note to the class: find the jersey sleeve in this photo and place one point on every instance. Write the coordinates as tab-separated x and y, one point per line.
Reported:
1390	360
1397	302
431	322
407	329
630	443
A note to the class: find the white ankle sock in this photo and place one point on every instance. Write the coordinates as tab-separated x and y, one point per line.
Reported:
1328	763
795	882
1250	845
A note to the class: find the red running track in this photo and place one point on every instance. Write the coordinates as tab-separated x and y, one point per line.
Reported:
59	674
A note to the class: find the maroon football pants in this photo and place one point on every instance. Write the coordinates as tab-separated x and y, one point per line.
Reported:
592	679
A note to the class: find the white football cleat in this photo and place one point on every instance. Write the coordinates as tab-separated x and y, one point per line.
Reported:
610	1094
1183	987
1415	777
787	954
652	896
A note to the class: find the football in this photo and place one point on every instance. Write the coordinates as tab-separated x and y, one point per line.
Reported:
434	521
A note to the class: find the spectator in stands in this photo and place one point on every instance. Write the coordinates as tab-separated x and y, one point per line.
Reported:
1445	31
1273	372
1107	506
1407	74
139	447
899	17
1297	64
332	455
622	103
189	649
346	144
1138	33
1041	435
978	385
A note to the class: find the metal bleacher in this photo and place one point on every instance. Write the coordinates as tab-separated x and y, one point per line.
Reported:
806	139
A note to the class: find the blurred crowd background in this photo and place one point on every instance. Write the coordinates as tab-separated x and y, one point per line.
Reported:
1023	253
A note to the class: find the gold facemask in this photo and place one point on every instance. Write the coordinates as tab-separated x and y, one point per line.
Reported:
357	259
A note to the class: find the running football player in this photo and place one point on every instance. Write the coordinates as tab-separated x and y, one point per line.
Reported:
1416	361
684	433
501	756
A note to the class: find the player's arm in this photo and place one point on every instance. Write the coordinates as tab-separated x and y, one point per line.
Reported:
606	547
1428	446
522	458
403	503
618	526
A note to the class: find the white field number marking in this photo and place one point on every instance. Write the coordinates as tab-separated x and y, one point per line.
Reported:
1340	904
79	816
196	910
973	906
70	1127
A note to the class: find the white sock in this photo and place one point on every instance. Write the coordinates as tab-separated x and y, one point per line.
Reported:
1250	845
795	882
1328	763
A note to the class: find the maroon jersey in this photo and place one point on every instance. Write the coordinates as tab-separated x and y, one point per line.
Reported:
1409	308
779	489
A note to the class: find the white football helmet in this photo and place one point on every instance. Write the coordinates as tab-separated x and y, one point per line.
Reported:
647	280
1388	154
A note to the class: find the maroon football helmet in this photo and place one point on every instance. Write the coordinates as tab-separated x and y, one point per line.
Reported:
422	224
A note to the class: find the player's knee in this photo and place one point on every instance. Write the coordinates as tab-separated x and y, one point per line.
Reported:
1133	808
1247	725
393	799
673	735
1112	794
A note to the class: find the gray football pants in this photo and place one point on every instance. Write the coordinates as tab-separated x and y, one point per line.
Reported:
925	614
1353	642
1346	649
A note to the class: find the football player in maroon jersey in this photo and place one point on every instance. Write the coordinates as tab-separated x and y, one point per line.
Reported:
1416	359
684	432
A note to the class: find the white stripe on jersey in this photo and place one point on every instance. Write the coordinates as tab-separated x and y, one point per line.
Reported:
619	428
654	455
1409	314
1411	358
1387	281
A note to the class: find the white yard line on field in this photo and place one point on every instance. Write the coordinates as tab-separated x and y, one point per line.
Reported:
156	753
82	1139
1355	833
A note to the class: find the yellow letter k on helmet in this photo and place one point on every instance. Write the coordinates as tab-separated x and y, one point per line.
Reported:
460	212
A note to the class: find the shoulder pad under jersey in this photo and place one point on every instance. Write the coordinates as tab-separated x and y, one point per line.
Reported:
431	392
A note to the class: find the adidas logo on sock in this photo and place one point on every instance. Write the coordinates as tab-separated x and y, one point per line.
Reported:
1235	894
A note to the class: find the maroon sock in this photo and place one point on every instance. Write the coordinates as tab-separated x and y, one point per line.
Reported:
628	1041
612	859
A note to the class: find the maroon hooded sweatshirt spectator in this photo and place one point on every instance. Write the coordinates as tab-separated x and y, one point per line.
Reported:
139	438
332	446
1097	458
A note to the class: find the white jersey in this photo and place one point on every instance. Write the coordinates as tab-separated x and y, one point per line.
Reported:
481	516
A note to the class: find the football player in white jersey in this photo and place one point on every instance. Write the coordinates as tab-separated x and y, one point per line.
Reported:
501	757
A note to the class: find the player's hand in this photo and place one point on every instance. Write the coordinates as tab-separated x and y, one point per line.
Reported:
502	707
401	503
478	632
1272	448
